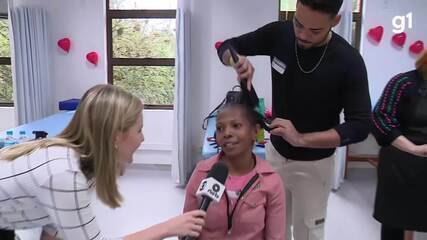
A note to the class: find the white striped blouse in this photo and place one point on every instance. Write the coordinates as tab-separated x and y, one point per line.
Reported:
47	189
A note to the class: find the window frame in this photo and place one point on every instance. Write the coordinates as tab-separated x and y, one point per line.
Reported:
357	19
143	62
5	61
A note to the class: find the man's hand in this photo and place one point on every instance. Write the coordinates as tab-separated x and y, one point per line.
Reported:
286	129
244	68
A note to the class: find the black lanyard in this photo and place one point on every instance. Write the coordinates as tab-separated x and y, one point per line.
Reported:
244	190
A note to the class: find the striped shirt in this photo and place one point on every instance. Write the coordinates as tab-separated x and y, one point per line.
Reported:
47	189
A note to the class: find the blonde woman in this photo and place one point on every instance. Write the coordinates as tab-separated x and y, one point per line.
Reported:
47	182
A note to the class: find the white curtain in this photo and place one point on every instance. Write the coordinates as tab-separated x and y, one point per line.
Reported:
181	154
344	29
31	80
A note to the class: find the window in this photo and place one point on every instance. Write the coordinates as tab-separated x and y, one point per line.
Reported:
6	86
287	11
141	49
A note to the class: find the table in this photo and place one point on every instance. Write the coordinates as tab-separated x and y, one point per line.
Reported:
209	149
53	125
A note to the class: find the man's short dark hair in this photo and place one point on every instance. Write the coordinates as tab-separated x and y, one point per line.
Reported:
327	6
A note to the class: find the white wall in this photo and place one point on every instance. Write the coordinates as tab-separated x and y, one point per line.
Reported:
384	61
218	20
84	23
157	147
7	119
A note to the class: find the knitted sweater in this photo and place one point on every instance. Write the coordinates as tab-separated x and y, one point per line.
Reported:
402	110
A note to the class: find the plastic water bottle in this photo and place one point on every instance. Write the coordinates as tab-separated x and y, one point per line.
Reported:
23	136
9	140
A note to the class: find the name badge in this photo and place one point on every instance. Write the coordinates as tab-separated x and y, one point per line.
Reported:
278	65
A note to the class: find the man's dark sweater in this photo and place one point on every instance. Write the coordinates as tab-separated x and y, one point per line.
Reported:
312	101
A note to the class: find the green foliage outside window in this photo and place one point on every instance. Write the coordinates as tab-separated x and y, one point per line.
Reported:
145	38
6	87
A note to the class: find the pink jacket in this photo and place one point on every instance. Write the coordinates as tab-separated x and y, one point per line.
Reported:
259	215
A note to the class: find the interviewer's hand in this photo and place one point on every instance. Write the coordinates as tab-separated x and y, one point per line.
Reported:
47	236
187	224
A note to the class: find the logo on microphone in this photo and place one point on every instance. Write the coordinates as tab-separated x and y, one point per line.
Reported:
203	185
214	191
216	187
211	188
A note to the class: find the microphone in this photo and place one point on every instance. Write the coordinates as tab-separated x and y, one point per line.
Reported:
212	187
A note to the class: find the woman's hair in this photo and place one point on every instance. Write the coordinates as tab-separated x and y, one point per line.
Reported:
104	111
239	100
421	62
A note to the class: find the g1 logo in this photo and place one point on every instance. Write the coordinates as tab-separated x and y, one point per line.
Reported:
399	22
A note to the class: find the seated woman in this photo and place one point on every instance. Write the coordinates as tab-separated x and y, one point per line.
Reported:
253	205
46	183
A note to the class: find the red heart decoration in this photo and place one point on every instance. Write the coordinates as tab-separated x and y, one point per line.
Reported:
376	33
65	44
218	44
92	57
399	39
417	47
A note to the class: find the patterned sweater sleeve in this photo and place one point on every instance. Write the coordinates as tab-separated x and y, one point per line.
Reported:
385	116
